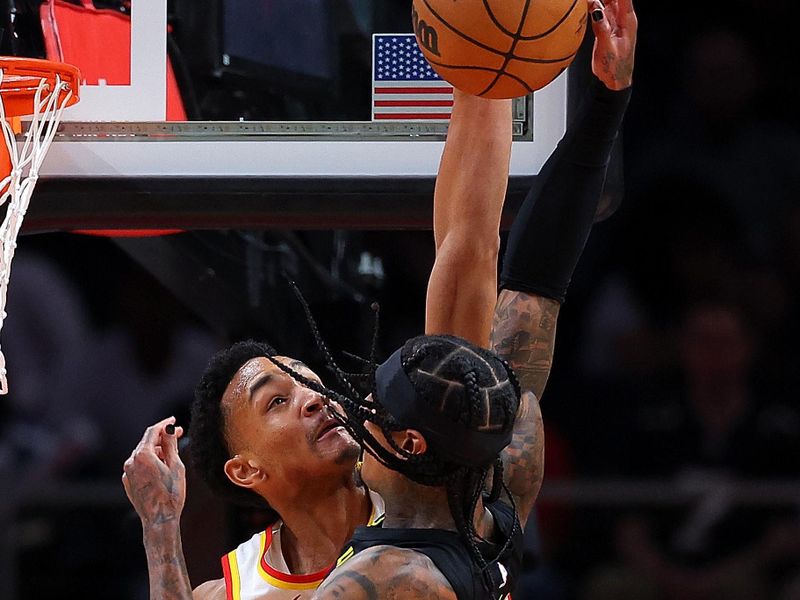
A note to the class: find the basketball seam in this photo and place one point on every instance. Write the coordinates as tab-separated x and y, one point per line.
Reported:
521	81
544	61
489	69
461	34
464	67
507	56
510	52
553	28
495	20
528	38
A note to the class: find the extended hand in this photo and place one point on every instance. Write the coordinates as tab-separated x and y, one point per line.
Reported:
154	476
615	26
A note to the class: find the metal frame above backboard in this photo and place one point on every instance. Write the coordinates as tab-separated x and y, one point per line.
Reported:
119	131
117	163
159	149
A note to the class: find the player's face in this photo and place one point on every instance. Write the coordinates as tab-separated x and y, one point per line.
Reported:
283	428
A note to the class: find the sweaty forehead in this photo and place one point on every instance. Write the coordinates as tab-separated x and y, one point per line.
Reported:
258	367
297	365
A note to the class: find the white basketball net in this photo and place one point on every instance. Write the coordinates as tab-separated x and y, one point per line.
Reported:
48	104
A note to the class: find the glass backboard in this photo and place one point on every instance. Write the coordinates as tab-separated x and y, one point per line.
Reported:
261	103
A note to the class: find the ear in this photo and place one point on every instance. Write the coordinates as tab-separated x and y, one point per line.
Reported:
412	442
243	472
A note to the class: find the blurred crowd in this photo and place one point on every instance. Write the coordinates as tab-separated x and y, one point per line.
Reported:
676	366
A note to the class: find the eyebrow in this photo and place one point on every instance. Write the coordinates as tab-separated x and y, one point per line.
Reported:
259	383
268	377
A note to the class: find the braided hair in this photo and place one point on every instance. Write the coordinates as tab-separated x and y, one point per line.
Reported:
478	396
465	388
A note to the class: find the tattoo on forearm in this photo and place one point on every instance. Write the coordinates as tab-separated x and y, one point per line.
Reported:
523	458
607	60
618	68
342	586
524	333
387	573
623	71
169	579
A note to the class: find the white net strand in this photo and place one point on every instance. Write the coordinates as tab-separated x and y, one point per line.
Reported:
48	105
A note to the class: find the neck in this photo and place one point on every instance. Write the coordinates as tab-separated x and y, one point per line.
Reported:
318	522
410	505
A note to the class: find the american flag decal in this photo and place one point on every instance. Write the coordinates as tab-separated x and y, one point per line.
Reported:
404	86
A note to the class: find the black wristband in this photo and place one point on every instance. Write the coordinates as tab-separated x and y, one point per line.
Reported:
553	224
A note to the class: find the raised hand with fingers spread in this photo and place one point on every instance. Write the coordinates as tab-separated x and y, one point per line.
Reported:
615	26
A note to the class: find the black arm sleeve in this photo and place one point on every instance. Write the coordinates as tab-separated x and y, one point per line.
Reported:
553	224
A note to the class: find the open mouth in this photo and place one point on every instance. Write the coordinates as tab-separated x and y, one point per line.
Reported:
330	427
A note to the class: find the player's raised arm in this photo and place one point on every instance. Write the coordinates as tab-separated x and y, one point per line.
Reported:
548	237
470	191
155	481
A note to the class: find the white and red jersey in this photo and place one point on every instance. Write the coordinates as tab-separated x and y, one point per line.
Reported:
257	570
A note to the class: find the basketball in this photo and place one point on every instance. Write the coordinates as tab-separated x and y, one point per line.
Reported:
499	48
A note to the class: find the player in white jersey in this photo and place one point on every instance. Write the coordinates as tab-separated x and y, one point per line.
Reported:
259	437
258	567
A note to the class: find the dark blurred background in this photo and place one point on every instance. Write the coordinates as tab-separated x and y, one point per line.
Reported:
672	414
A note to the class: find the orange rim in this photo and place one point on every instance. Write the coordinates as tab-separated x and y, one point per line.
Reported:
21	78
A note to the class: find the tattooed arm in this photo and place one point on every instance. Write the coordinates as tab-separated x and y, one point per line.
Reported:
524	333
386	572
548	237
155	481
166	567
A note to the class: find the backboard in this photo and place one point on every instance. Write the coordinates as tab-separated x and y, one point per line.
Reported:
275	127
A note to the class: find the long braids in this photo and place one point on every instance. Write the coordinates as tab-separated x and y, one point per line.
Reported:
366	378
464	485
323	347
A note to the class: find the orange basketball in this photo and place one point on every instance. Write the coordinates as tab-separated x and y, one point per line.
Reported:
499	48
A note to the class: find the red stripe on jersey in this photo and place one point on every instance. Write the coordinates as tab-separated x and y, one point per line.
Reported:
226	571
286	577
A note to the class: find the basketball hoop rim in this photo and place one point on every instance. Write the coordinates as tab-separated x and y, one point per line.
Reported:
22	76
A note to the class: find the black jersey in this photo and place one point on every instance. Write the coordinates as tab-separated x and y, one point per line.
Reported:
450	555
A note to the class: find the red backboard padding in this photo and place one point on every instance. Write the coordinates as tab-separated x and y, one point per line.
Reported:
98	42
